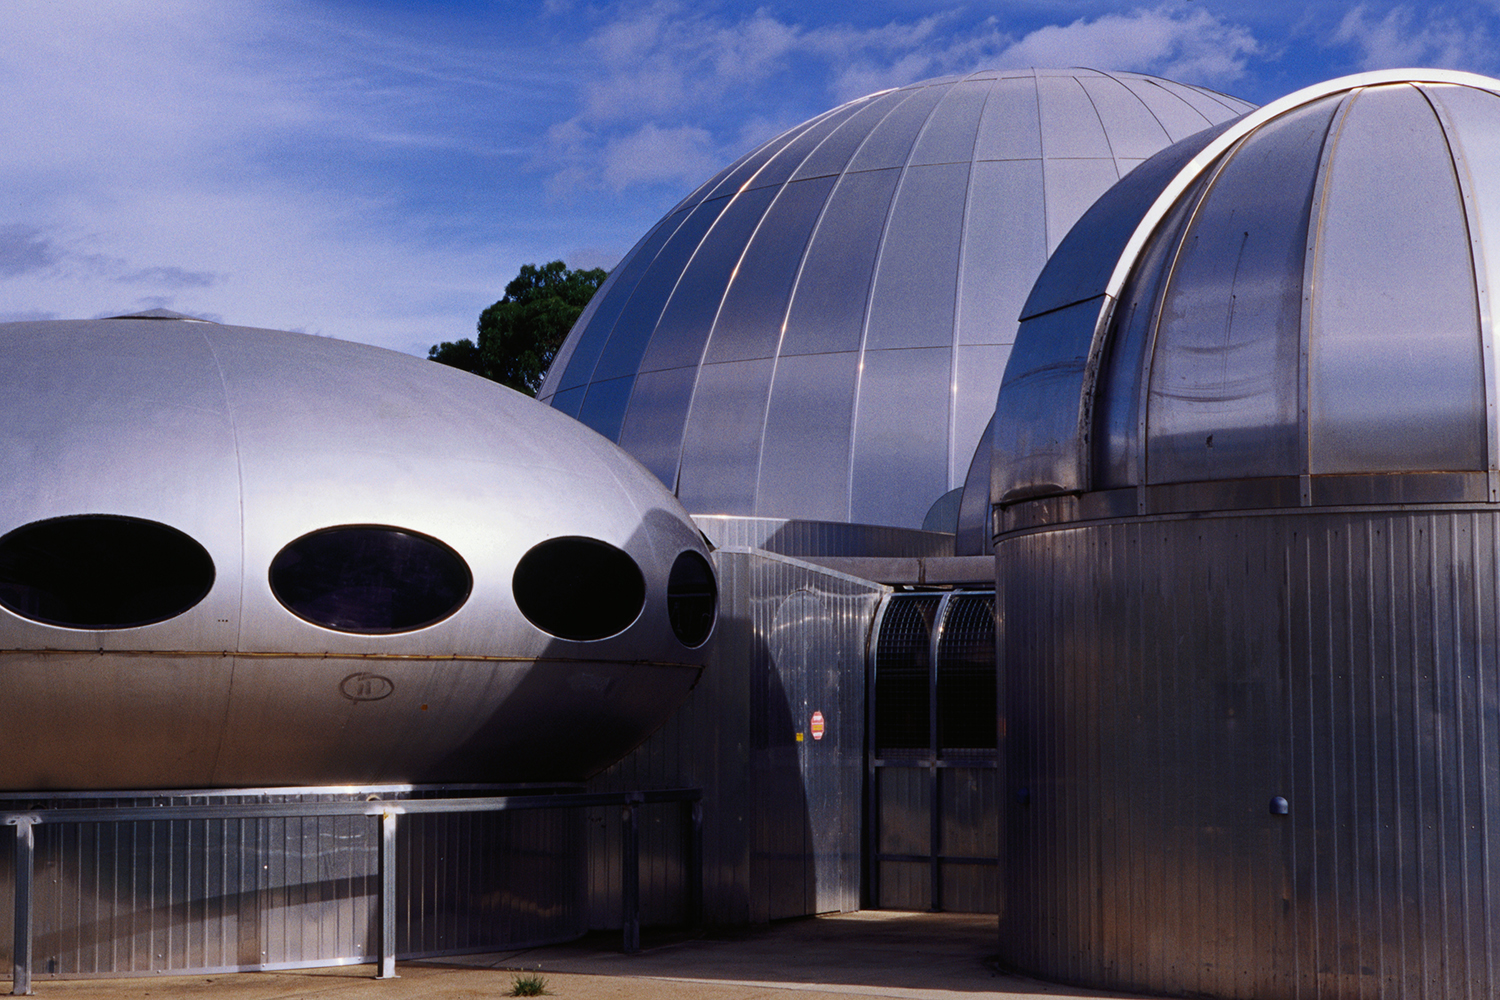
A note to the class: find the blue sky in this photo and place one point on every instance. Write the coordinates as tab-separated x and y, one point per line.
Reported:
377	171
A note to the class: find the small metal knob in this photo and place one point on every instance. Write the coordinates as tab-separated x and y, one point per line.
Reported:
1279	806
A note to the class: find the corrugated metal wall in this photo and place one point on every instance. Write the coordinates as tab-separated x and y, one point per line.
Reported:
173	896
781	810
1167	679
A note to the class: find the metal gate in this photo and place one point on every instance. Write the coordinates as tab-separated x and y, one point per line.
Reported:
932	832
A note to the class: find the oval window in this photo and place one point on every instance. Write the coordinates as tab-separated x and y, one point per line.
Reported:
370	579
692	599
102	571
579	588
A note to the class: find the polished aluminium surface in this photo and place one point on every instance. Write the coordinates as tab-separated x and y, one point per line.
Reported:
248	439
1304	294
782	810
818	332
1247	529
1175	677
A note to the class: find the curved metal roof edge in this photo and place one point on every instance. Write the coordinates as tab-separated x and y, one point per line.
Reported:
1254	120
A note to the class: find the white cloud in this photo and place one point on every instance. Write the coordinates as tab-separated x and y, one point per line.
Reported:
238	160
651	154
1403	38
1196	47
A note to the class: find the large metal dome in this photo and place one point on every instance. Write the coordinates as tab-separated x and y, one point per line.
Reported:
245	557
818	332
1301	301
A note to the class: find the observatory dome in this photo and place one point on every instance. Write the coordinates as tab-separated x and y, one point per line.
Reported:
1246	530
1297	304
818	332
244	557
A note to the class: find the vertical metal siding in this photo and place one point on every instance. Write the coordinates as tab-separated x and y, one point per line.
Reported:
781	816
1165	679
178	896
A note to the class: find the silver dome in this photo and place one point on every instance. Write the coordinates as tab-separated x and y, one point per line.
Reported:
818	332
1247	533
222	468
1300	301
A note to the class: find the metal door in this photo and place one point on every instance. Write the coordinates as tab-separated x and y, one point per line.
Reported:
932	829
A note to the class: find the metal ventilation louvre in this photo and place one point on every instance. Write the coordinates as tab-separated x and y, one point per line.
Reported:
965	681
903	685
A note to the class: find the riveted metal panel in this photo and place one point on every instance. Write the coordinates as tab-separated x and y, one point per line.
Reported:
827	313
1254	756
900	463
807	436
948	136
1006	221
751	320
728	422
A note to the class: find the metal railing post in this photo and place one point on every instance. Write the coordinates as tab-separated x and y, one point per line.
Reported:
630	873
387	895
25	870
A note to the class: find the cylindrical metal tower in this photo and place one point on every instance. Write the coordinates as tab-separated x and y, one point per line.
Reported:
1247	514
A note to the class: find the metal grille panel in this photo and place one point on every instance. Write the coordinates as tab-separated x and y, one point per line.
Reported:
903	655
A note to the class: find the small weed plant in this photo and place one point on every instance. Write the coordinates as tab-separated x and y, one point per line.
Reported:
529	984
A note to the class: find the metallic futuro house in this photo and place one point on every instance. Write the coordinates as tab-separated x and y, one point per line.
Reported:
242	557
1246	492
818	332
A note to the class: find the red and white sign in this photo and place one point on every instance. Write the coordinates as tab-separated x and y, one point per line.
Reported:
817	725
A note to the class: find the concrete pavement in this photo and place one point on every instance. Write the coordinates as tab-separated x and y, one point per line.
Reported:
877	953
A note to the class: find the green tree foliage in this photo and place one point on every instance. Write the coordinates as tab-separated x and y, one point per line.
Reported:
519	335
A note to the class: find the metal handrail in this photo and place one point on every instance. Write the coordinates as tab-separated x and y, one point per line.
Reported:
385	811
